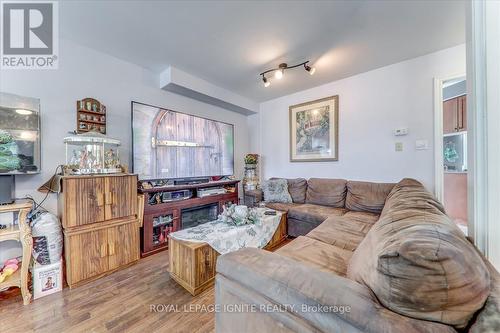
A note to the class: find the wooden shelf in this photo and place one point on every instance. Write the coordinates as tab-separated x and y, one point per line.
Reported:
93	122
14	207
11	233
92	112
192	186
12	281
81	109
22	233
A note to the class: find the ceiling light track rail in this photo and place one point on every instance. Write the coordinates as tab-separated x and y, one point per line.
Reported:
280	70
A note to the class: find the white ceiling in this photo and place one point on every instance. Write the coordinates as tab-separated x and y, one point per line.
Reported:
230	42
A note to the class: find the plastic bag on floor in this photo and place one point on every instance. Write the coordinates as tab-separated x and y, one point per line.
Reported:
47	238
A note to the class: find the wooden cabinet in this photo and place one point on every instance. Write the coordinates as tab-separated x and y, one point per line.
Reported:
123	245
101	228
163	217
86	255
89	200
462	113
119	192
455	115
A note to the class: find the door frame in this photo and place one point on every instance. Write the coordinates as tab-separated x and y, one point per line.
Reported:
438	133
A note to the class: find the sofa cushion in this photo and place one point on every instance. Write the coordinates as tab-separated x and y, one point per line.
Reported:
488	319
297	188
317	254
326	192
365	217
367	196
342	231
276	190
282	206
411	194
419	264
315	214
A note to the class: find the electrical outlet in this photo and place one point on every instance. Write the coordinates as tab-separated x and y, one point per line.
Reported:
398	146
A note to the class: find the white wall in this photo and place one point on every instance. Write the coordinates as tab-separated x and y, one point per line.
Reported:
371	106
84	72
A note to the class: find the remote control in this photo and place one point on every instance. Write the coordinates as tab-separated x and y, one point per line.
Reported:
270	212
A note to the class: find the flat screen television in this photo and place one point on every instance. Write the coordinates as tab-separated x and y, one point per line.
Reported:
169	144
19	134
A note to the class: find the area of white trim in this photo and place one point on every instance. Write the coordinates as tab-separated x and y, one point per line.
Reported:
492	46
438	133
183	83
483	84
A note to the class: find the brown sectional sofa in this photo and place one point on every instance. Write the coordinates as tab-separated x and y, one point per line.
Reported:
386	258
317	199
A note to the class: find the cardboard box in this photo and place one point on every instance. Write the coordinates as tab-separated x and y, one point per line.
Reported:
47	279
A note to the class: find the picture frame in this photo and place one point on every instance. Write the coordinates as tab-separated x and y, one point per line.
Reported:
314	130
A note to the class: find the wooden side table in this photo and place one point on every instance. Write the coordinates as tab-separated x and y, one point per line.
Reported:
21	233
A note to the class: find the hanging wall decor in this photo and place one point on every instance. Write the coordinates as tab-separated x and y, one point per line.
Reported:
314	130
91	116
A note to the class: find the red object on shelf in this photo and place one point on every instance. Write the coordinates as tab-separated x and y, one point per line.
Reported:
162	237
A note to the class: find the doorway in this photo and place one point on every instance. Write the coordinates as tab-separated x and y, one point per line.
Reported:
451	149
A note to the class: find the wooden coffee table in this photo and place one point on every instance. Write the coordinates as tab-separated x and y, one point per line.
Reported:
192	264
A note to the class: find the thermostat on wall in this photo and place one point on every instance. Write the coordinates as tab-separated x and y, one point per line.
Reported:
401	131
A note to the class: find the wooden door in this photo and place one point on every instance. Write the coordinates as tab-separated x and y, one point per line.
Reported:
462	113
120	196
450	116
83	201
86	255
123	244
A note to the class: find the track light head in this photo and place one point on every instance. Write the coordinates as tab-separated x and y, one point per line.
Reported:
266	81
280	71
309	69
278	74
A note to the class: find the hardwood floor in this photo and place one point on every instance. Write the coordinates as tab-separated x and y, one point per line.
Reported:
120	302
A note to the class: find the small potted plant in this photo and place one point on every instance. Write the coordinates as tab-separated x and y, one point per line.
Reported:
251	160
251	179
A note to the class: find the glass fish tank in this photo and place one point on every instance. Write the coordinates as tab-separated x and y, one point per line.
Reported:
19	134
92	153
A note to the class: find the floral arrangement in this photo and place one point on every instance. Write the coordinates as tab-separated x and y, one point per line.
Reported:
251	159
239	215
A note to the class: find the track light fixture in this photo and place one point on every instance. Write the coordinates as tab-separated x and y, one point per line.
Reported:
280	71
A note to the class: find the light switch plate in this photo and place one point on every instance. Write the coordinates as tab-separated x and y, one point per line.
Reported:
398	146
421	144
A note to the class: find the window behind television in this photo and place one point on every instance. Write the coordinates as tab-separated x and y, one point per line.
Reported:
169	144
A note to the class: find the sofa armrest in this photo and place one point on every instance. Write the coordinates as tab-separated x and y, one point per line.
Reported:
253	197
328	302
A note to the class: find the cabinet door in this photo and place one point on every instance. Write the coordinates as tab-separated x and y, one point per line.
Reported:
123	244
83	201
462	113
450	116
86	255
120	196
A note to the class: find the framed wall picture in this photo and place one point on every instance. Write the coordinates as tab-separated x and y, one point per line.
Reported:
314	130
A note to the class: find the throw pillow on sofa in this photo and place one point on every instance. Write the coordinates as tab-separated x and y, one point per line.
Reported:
276	190
297	188
418	263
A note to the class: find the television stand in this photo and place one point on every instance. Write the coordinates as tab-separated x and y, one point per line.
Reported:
163	215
